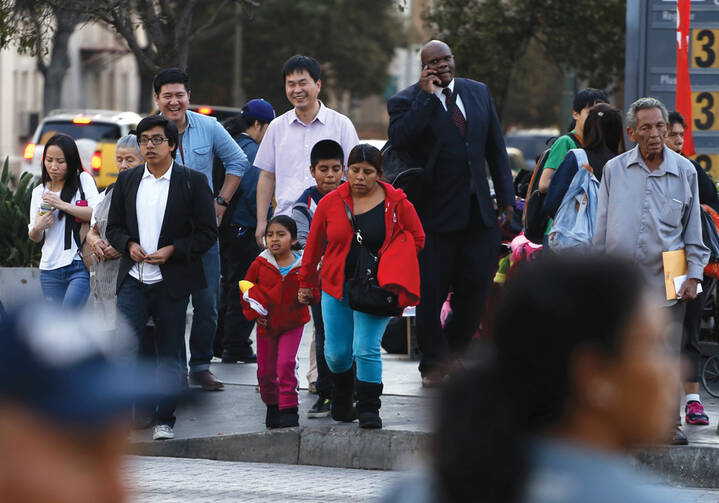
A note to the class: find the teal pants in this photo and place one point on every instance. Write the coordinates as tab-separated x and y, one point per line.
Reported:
352	336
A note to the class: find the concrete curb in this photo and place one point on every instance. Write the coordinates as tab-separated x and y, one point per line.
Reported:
696	465
339	447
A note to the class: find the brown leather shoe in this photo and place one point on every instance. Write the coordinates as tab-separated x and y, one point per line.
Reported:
207	380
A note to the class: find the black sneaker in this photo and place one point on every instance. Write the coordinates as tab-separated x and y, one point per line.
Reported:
321	408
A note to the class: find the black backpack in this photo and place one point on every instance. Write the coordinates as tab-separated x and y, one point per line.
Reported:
535	219
401	170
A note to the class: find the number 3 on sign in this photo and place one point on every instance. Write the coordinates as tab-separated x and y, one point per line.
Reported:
705	110
705	48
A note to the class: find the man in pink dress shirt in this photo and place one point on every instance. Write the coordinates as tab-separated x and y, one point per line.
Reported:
284	154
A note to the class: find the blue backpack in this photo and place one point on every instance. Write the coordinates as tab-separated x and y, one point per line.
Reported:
574	222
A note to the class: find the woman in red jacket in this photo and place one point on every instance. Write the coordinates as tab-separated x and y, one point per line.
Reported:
391	229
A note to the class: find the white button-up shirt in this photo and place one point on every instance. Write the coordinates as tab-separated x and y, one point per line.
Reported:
286	146
150	206
443	99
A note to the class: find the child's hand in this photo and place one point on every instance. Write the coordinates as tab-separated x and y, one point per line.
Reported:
304	296
262	321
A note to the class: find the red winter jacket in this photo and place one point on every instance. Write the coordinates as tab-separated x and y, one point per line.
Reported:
331	235
277	294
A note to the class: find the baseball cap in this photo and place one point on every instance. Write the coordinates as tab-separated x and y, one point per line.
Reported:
260	110
66	366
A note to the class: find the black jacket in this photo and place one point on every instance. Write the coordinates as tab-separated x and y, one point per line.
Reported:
189	224
418	120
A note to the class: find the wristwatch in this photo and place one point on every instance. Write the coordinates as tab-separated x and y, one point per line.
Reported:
222	202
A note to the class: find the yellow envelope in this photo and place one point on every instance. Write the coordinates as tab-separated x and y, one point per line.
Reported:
675	264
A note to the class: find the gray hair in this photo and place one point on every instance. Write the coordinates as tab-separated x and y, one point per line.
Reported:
643	104
129	141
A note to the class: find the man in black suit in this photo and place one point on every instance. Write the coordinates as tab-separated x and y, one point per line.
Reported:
161	219
458	117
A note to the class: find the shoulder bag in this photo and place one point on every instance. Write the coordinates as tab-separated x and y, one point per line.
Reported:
363	290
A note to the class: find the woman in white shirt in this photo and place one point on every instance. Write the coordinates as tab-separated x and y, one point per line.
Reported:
59	205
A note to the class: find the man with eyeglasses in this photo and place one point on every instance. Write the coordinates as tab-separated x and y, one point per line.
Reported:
649	204
162	222
452	122
201	138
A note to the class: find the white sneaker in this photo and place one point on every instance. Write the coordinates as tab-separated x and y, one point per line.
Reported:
162	432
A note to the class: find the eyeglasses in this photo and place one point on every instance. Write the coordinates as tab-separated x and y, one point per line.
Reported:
156	140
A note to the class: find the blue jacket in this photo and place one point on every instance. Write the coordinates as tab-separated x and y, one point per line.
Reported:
205	138
245	214
574	222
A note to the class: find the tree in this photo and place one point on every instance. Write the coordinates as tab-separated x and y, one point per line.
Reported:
39	28
489	37
158	33
354	40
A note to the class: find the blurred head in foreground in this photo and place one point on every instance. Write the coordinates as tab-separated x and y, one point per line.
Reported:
66	390
578	352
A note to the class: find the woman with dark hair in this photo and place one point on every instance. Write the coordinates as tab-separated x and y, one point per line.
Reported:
59	206
543	416
603	140
388	226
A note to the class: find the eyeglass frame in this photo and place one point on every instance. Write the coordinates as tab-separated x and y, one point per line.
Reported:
155	140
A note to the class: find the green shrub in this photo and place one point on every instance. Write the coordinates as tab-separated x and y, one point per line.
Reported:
16	248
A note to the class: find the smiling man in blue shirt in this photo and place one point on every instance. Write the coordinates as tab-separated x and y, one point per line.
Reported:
201	138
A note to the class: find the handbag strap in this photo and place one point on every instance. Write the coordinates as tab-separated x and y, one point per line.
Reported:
353	223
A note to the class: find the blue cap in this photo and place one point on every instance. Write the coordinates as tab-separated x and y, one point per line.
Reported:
67	367
260	110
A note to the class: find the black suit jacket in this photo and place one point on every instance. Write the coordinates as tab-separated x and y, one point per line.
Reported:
418	120
189	224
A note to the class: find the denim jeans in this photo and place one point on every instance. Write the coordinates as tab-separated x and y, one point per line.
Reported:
352	336
238	251
137	302
204	316
69	285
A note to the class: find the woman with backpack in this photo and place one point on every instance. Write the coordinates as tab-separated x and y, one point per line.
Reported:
603	140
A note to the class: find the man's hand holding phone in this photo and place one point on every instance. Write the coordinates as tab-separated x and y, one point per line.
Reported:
428	80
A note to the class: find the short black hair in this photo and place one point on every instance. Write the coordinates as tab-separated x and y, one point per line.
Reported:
170	76
588	97
298	63
676	118
152	121
289	224
325	150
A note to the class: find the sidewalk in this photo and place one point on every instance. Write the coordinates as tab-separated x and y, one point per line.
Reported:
229	425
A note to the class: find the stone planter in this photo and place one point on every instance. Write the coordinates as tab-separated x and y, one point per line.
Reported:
19	284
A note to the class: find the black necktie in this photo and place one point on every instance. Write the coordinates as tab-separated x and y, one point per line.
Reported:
457	116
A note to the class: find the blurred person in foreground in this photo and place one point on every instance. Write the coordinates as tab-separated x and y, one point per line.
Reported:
66	392
543	416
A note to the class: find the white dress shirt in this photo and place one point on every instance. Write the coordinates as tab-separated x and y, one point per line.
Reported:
150	206
443	99
286	146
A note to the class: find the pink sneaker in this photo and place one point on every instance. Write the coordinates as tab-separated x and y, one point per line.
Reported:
695	413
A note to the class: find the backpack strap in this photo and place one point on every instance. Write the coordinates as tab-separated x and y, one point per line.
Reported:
577	142
353	223
581	156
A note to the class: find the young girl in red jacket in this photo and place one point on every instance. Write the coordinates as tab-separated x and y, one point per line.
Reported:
272	301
